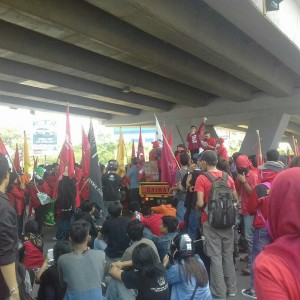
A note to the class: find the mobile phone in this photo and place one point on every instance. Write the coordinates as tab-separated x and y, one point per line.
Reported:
50	255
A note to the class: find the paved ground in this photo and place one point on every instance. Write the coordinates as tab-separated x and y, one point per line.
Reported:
243	281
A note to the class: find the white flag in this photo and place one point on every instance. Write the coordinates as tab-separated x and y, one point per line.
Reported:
158	132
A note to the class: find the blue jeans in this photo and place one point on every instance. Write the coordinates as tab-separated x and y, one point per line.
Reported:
116	290
99	244
180	210
261	237
194	224
248	221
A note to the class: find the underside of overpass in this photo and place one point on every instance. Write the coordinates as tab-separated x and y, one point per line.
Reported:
121	61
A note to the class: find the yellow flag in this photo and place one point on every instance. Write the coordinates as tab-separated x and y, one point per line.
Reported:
121	155
26	157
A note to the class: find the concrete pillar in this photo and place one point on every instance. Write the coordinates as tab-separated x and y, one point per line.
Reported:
271	129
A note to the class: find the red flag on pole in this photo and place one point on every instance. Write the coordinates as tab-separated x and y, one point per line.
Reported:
169	165
2	148
133	155
86	155
140	150
296	150
16	162
66	155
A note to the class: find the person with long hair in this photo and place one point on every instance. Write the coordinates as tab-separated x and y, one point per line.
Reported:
81	271
186	273
277	267
148	275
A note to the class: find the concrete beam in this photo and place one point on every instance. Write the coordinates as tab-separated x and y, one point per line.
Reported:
47	52
19	72
200	31
126	43
247	17
30	104
32	93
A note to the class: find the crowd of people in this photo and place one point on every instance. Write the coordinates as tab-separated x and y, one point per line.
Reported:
183	250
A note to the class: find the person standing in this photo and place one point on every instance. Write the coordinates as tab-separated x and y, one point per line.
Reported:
246	182
193	139
208	143
178	188
132	175
218	243
8	239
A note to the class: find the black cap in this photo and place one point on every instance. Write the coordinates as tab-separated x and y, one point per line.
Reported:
210	157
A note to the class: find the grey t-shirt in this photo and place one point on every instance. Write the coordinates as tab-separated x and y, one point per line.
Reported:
179	176
128	252
81	272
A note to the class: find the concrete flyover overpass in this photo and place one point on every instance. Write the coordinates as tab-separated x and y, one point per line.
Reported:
123	60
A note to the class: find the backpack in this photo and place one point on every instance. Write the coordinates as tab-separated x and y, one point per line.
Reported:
220	208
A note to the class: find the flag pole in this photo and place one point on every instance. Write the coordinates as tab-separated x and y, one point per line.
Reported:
295	148
259	146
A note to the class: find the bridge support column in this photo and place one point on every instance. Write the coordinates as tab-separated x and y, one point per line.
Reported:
271	129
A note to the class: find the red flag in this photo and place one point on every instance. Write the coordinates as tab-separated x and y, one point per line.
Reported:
16	162
296	150
133	155
86	155
66	155
169	164
140	151
2	148
170	138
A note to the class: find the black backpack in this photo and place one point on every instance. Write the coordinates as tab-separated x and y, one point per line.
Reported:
220	207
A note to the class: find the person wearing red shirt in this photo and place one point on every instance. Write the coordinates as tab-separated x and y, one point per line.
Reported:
16	194
208	143
193	138
151	221
218	242
277	267
246	182
221	150
36	185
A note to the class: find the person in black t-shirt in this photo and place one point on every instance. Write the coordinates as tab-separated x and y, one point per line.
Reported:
48	278
111	184
148	275
114	232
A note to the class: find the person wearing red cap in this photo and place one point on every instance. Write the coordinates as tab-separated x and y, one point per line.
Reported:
246	182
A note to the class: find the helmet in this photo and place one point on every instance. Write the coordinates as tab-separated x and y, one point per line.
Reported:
181	247
112	165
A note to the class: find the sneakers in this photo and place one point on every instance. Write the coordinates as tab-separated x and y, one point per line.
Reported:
231	295
249	293
246	272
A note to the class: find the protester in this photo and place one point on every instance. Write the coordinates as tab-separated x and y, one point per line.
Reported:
132	175
178	188
168	228
151	221
246	182
259	209
114	233
221	149
155	154
9	281
208	143
148	275
193	138
81	271
47	276
111	184
33	243
66	203
38	185
16	193
218	242
186	273
277	267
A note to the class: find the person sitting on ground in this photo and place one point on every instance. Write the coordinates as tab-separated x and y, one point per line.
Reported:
166	209
277	267
168	228
33	243
81	271
151	221
47	276
148	275
186	273
133	207
114	233
86	214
